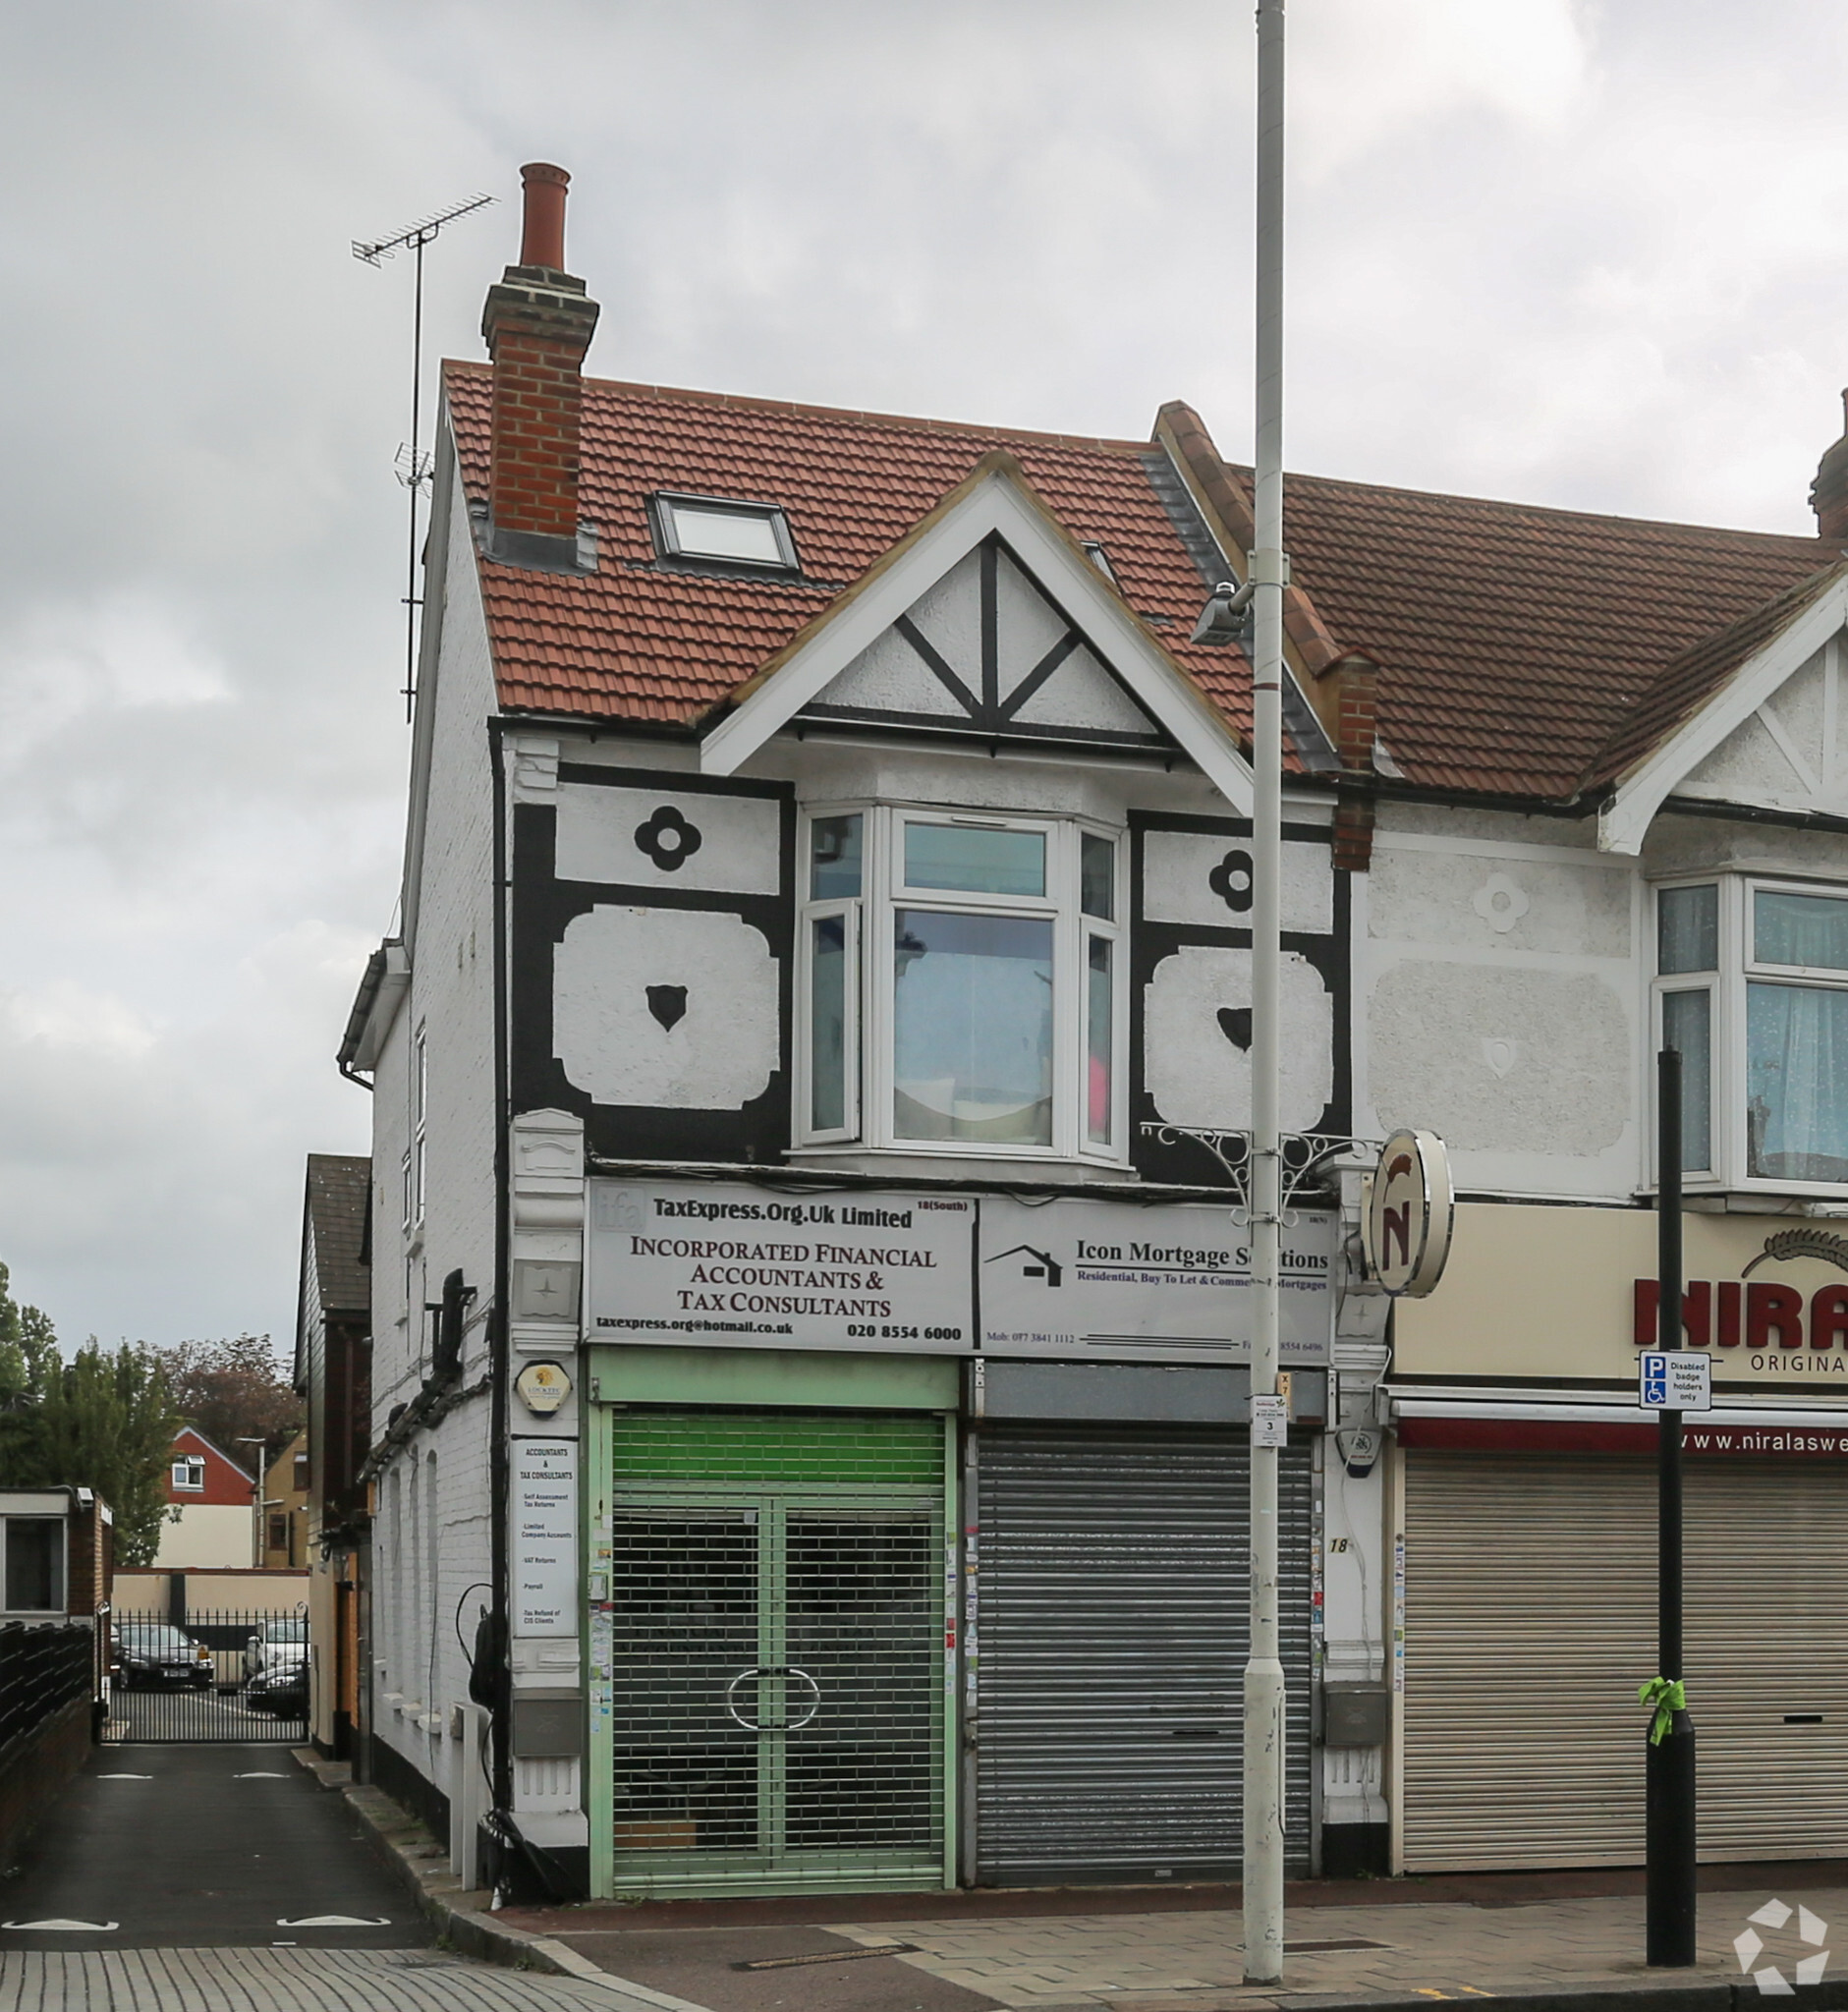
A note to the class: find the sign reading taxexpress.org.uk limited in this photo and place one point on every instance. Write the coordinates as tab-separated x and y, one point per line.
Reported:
738	1266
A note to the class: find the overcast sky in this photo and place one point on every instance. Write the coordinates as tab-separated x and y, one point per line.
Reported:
1575	252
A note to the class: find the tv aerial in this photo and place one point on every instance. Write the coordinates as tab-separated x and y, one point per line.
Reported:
413	463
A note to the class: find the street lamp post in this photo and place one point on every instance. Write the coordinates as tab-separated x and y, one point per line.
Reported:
1263	1730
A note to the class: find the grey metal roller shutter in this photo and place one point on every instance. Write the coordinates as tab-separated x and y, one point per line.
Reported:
1111	1647
1530	1620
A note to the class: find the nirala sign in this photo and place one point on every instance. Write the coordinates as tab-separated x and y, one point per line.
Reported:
1760	1315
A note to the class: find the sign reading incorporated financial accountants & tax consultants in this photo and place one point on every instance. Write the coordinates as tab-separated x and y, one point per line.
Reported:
738	1266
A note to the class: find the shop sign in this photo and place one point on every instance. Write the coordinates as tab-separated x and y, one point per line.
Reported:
545	1537
1169	1283
737	1266
1409	1214
1784	1326
1569	1294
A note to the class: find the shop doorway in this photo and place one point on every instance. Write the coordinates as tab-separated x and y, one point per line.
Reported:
777	1709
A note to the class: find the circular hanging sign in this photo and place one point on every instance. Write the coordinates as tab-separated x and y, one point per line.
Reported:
1410	1210
542	1388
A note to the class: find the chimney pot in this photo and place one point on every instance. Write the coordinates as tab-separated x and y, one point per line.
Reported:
538	323
543	230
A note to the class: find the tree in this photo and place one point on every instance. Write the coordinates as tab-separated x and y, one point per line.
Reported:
101	1421
233	1389
26	1344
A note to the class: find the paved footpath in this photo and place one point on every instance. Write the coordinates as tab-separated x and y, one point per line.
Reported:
1545	1939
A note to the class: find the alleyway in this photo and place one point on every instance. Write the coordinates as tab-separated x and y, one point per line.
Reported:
213	1878
192	1846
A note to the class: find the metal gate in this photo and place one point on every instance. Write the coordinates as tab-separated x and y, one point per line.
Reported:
1114	1630
235	1677
776	1647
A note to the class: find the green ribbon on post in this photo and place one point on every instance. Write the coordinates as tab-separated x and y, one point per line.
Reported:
1668	1696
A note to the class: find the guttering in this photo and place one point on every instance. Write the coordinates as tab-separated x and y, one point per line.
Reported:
382	987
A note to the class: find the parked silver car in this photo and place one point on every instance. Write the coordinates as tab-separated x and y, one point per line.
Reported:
283	1636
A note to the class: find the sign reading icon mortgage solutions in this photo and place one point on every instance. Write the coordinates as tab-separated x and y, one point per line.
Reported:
1409	1214
1170	1282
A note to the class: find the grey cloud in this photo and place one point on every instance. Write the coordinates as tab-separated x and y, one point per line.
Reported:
1588	253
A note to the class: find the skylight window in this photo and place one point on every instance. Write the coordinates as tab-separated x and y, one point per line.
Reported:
715	530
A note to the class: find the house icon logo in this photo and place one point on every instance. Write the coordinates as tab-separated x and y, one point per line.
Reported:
1034	1263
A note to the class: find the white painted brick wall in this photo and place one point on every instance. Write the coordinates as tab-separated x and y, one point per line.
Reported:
421	1575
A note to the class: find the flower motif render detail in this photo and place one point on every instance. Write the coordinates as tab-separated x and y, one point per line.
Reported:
1749	1946
1500	902
668	839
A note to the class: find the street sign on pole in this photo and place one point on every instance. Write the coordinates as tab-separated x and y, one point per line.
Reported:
1671	1904
1675	1380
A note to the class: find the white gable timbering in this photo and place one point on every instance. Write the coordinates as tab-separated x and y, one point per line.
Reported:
1791	753
1769	737
986	648
988	580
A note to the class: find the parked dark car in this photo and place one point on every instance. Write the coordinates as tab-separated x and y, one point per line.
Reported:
280	1687
155	1656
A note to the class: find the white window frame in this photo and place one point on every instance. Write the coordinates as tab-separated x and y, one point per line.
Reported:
1737	968
418	1185
192	1463
871	1003
61	1574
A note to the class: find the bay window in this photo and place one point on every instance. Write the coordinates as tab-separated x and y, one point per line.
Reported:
1752	987
960	983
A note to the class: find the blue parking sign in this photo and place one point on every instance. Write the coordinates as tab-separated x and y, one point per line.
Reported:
1678	1380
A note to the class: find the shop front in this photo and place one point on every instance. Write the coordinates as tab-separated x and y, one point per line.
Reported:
916	1535
1524	1539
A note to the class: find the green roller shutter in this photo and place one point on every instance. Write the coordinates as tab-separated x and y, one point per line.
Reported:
776	1651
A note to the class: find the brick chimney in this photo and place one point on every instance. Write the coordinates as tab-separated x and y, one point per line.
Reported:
1829	493
537	324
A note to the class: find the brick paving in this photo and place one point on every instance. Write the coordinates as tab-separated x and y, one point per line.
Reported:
1191	1962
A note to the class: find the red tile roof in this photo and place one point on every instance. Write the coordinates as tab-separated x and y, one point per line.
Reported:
634	642
1523	652
1515	644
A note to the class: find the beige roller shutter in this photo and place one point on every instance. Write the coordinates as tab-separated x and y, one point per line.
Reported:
1530	1620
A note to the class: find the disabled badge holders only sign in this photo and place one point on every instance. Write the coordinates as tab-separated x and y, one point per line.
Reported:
1675	1380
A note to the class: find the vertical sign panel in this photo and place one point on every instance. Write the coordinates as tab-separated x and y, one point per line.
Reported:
545	1537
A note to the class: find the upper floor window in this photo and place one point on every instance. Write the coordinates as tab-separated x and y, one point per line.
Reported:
189	1472
962	983
1752	990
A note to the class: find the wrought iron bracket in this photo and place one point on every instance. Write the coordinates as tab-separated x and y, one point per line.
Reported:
1307	1157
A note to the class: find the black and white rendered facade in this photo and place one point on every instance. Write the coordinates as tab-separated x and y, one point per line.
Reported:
809	1282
